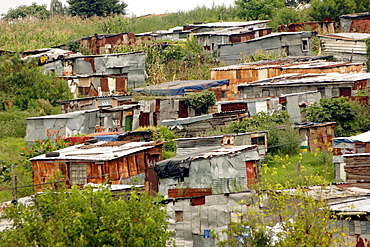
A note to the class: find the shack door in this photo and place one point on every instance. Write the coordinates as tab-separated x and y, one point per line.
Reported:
251	172
128	121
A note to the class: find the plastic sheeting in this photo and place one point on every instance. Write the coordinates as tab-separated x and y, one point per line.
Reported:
180	87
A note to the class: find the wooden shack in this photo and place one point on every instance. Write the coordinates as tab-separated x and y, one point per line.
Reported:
316	136
116	162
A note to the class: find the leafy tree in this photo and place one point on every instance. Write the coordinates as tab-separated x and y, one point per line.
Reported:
282	138
89	8
257	9
289	218
58	8
23	82
331	8
350	116
87	217
201	101
288	15
24	11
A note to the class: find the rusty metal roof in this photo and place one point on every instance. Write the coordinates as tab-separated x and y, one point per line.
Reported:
287	64
100	151
353	16
291	79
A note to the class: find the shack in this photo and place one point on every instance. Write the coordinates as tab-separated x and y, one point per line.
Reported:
209	170
212	39
326	26
348	145
99	162
100	75
355	23
193	218
289	43
348	47
330	85
316	136
357	167
105	43
81	122
251	72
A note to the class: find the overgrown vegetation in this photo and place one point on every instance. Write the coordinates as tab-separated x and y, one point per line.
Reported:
351	117
162	133
88	217
201	101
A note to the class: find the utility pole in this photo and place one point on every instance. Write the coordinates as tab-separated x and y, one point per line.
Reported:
14	184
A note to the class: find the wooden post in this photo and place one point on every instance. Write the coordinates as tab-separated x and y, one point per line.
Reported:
14	184
299	169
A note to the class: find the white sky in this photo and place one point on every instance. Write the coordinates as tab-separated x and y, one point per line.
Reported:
136	7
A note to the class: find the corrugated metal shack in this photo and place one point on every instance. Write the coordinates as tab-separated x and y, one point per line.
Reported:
101	75
118	118
330	85
291	43
214	26
105	43
349	47
99	162
191	126
348	145
210	40
355	23
250	72
326	26
192	218
291	103
316	136
90	103
215	170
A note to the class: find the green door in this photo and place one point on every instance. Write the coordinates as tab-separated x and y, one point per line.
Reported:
128	123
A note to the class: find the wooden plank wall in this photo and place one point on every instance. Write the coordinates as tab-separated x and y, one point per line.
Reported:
357	168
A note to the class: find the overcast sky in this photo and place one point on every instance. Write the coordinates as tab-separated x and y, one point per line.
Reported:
136	7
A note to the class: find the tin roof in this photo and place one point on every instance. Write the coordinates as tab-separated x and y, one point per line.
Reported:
291	79
229	24
347	36
230	31
292	63
353	16
100	151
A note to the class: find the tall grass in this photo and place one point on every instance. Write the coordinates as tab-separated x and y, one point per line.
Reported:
35	33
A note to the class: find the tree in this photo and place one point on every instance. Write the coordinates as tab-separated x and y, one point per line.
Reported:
89	8
86	217
331	8
58	8
284	218
282	138
350	116
201	101
23	82
24	11
257	9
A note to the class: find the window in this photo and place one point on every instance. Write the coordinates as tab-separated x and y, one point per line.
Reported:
260	140
305	46
77	172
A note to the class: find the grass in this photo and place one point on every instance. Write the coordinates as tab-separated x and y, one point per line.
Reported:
284	172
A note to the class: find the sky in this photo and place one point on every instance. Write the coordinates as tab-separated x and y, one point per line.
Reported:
135	7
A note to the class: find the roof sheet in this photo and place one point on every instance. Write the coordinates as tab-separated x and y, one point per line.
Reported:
364	137
100	151
287	64
289	79
347	36
180	87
